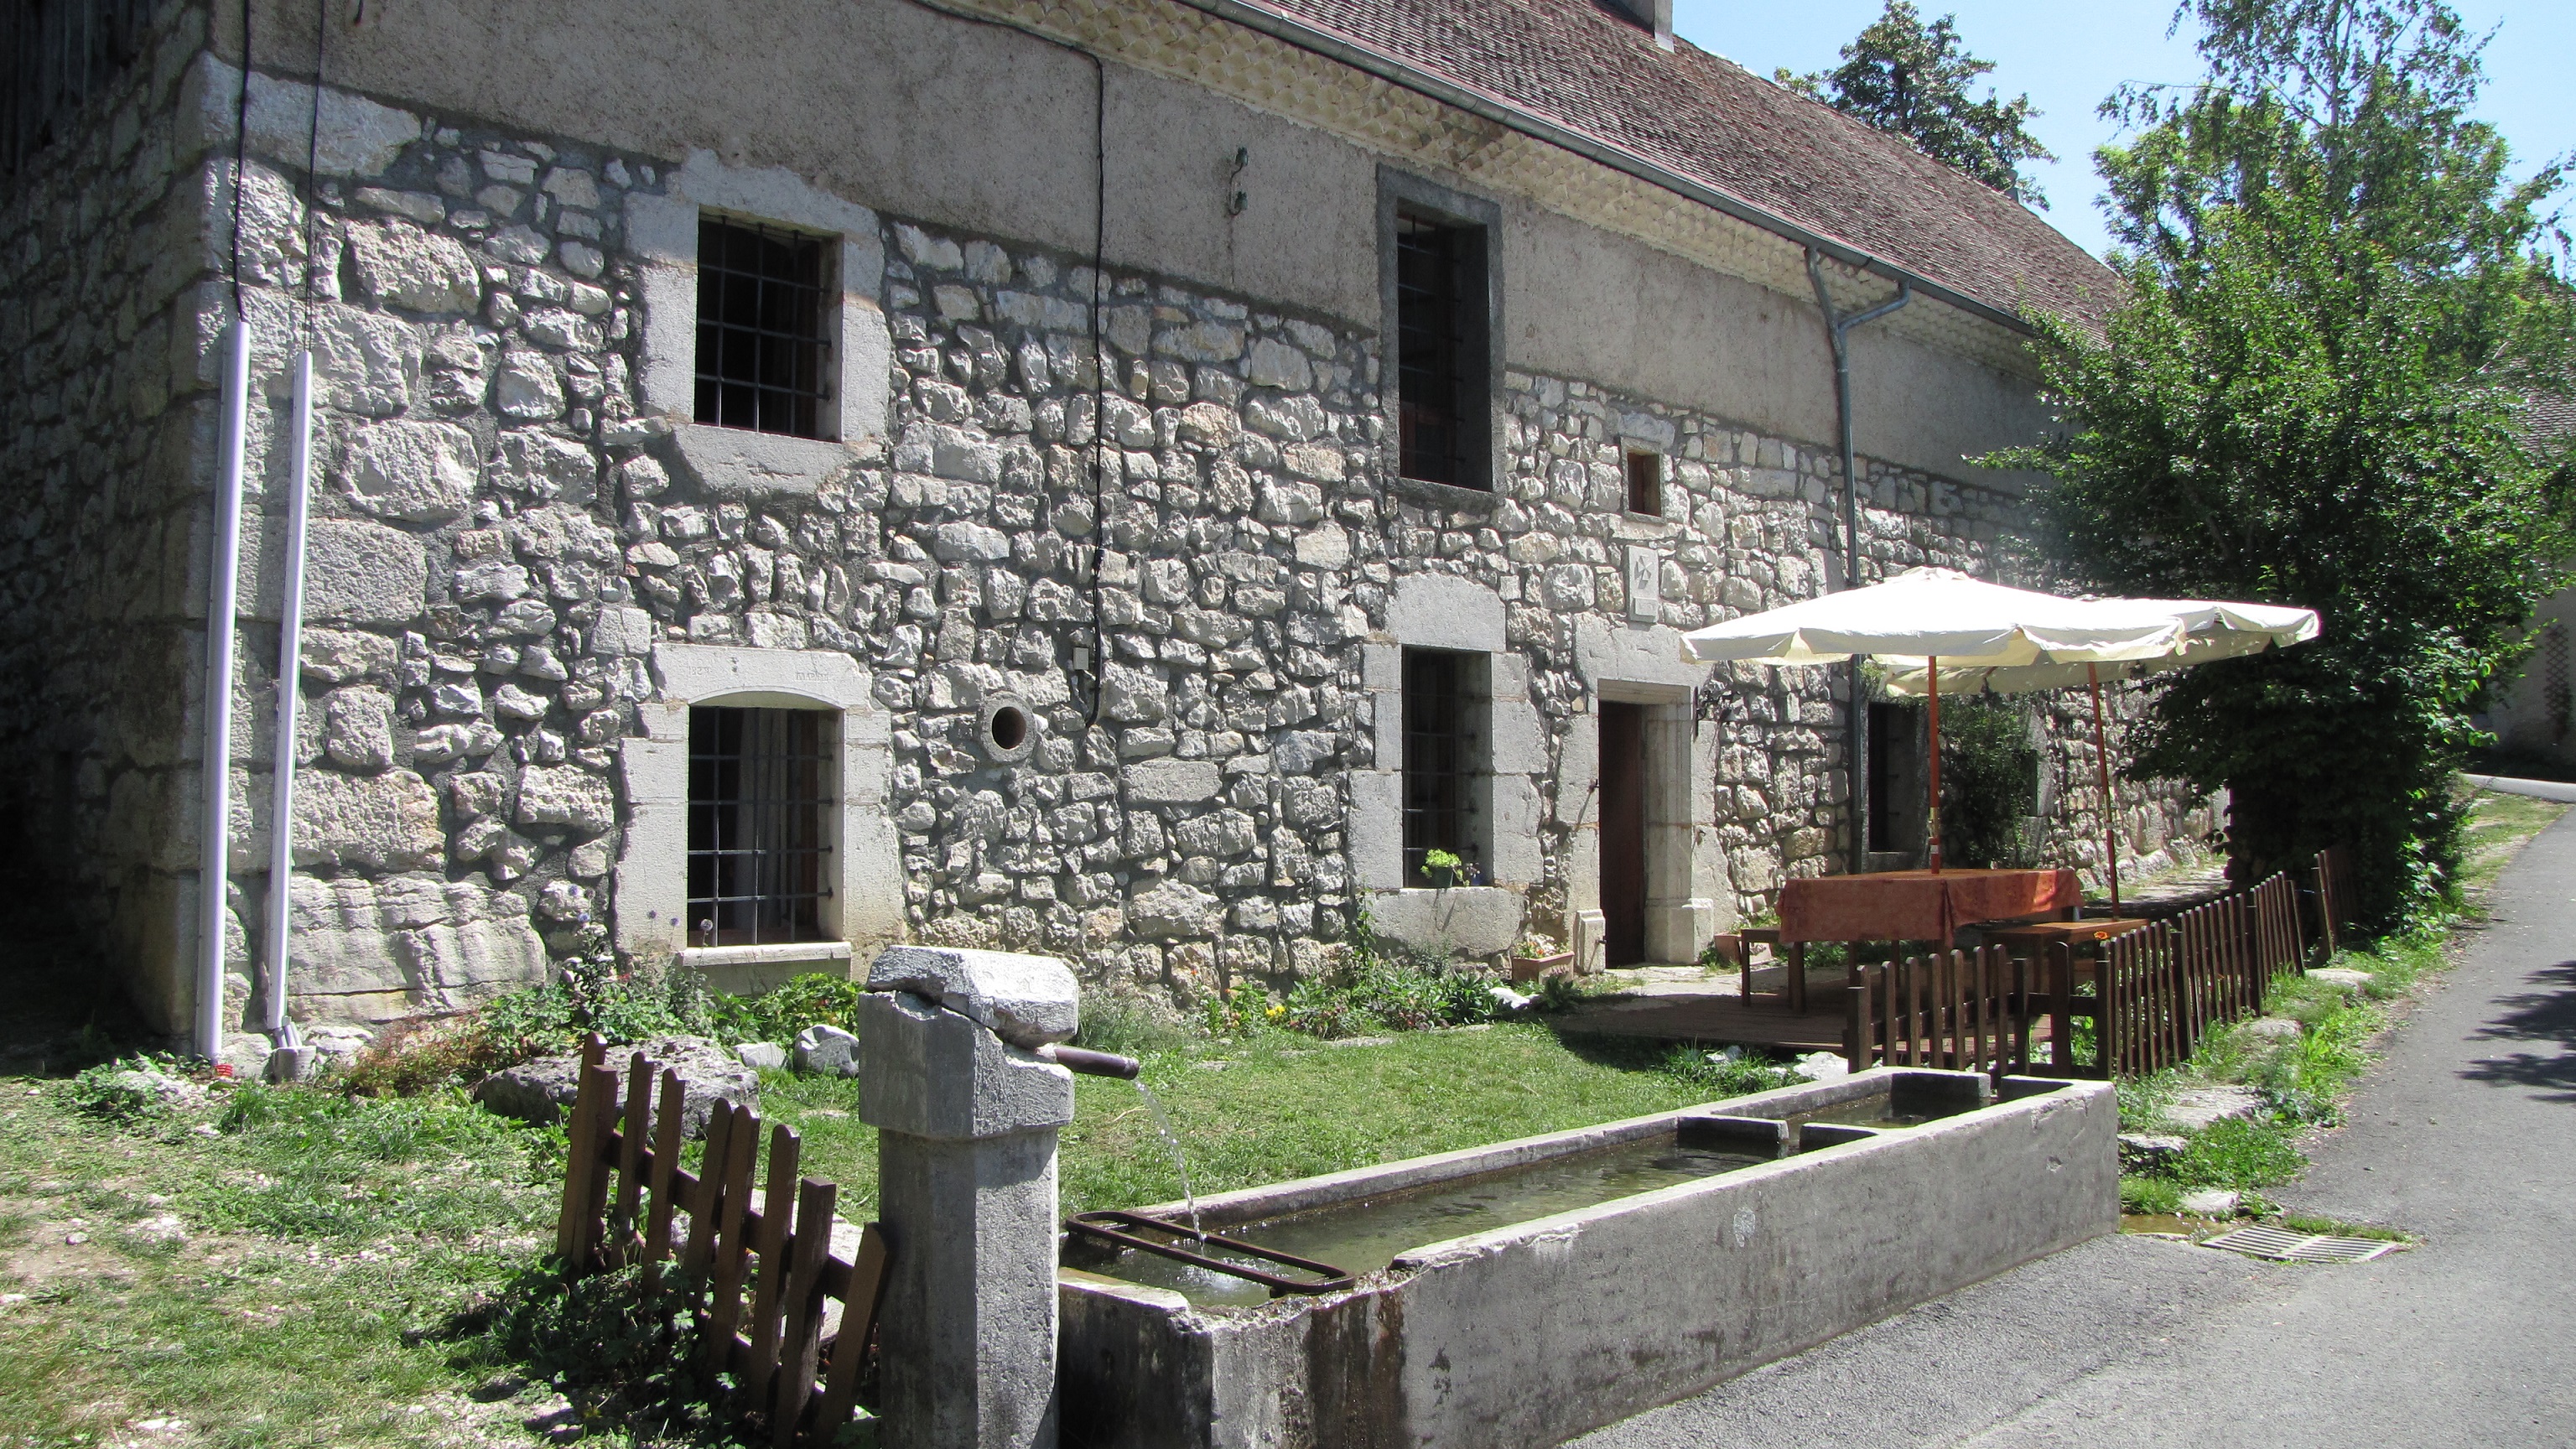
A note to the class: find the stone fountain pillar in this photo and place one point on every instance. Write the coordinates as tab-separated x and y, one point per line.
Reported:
967	1190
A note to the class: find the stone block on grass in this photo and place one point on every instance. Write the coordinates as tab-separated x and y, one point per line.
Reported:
542	1091
827	1051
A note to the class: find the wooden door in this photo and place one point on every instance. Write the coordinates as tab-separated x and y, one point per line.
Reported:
1623	833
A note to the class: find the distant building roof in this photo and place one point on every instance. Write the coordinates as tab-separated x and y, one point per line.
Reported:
1592	71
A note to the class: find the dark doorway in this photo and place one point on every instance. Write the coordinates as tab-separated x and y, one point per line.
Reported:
1623	833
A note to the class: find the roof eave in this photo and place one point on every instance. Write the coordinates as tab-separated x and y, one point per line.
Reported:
1398	71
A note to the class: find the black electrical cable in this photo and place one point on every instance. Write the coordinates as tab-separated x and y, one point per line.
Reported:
312	176
241	157
1099	289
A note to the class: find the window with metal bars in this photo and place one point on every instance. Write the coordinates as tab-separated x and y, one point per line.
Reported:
1444	736
760	803
1442	384
764	354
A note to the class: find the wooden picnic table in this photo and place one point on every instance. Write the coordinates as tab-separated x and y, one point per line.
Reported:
1904	905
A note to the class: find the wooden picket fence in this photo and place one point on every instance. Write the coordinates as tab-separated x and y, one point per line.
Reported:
1959	1010
625	1201
2157	992
2163	988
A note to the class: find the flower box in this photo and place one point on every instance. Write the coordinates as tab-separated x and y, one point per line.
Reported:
1532	968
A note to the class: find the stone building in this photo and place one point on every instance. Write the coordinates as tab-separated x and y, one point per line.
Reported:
1123	478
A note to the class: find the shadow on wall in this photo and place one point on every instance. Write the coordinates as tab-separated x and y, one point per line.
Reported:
2547	1016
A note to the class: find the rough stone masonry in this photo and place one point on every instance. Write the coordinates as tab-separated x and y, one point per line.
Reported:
504	537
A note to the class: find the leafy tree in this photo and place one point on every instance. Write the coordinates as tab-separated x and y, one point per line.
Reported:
1911	79
2334	304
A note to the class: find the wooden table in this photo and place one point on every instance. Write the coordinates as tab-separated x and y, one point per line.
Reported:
2083	939
1904	905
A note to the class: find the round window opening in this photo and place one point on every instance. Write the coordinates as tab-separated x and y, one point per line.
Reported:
1008	730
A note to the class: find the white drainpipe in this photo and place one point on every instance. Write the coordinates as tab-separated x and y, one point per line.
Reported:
216	762
290	634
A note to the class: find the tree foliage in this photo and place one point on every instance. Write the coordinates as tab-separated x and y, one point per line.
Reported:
1911	79
2335	304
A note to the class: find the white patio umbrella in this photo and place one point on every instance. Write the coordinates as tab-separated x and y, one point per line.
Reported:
1926	616
2211	630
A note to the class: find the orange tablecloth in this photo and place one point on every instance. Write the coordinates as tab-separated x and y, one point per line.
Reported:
1916	905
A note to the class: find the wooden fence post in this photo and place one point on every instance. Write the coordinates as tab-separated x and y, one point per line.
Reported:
667	1122
724	1306
784	1148
802	1308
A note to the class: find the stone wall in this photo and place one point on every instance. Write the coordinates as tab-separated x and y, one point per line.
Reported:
105	429
504	534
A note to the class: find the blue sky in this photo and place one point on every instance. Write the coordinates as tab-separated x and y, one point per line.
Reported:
2069	54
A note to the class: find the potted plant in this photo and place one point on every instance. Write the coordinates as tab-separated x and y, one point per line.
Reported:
1536	958
1442	869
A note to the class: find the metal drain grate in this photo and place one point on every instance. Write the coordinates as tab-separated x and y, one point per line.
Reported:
2293	1247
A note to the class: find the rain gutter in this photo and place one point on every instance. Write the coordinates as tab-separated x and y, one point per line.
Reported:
1448	91
1838	327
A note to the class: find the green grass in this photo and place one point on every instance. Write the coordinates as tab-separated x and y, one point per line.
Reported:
1284	1106
2305	1081
2497	827
330	1247
321	1245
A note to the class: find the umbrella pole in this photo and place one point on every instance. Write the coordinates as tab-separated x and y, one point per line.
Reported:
1935	812
2102	772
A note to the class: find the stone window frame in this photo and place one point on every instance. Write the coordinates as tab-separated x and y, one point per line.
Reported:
867	908
1399	191
663	231
1444	611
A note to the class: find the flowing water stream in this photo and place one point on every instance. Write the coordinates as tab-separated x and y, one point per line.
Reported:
1180	1159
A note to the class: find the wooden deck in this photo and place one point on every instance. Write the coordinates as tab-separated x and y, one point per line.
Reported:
1717	1020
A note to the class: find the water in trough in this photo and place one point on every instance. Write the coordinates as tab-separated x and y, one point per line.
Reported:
1365	1235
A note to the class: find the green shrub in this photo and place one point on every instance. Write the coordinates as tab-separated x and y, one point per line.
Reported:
130	1089
1562	992
1989	782
626	1355
1231	1014
779	1013
1127	1027
2158	1196
1324	1008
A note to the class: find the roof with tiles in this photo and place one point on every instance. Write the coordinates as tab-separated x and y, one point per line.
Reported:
1590	69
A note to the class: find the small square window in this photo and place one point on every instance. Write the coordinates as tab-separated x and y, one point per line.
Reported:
760	787
1645	483
764	355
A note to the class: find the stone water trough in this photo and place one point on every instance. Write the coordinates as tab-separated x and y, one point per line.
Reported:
1733	1234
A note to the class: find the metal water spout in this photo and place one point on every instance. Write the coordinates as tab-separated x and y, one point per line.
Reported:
963	1071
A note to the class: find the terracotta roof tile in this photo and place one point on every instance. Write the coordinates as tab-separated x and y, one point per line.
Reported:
1581	66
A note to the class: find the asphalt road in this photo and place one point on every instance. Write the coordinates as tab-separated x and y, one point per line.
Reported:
2466	1135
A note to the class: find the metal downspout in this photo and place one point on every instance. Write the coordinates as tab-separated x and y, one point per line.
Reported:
214	762
1856	722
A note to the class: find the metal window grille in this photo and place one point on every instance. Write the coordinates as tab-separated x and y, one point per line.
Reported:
55	55
1440	381
1646	483
762	355
760	797
1440	740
